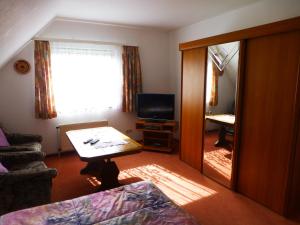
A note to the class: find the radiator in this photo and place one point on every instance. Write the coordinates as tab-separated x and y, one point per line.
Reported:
63	140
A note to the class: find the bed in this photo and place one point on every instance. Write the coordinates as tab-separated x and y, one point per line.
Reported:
138	203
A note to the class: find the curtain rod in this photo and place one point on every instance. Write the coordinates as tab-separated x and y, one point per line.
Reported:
76	40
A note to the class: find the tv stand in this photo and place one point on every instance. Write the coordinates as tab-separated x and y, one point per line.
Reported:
155	120
158	135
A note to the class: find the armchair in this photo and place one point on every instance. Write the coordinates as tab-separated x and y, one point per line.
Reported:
22	143
26	184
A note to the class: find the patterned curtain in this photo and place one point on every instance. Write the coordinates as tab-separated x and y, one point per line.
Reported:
44	98
213	101
132	77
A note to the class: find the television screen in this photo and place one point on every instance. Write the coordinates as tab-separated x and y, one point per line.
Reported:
155	106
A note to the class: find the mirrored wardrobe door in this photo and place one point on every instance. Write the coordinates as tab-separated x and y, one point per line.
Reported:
221	86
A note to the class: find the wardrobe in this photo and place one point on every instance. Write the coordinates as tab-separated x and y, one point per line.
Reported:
266	165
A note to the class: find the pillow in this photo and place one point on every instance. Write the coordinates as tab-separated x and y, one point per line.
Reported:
3	169
3	140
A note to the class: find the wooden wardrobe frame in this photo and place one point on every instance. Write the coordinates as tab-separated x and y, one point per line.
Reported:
263	30
288	25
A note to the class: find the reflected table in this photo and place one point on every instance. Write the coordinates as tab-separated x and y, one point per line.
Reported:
227	121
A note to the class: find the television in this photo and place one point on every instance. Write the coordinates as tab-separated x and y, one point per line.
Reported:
155	107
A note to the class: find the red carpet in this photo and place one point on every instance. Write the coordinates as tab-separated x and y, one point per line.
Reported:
209	202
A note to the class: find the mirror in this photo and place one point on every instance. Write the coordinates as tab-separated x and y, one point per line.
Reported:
221	86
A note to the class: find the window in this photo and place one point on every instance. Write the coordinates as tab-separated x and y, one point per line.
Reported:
208	80
87	78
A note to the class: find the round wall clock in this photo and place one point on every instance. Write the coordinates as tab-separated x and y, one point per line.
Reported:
22	66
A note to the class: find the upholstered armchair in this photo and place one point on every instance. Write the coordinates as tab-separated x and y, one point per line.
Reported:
22	143
26	183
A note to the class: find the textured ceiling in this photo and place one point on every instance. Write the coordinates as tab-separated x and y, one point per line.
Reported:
20	20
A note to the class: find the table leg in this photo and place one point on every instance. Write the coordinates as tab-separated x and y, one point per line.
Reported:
109	175
221	141
105	170
92	168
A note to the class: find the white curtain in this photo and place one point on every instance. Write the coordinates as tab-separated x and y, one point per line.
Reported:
87	78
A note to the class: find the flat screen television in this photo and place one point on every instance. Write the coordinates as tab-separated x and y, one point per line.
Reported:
156	107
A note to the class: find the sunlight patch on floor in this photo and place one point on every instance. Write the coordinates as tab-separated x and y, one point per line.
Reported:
93	181
217	160
178	188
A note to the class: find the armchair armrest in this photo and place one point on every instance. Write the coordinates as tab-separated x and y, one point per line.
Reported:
15	138
10	158
17	149
27	175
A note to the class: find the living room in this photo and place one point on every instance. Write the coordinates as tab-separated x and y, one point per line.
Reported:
157	30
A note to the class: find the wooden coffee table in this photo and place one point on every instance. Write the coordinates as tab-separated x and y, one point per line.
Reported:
112	143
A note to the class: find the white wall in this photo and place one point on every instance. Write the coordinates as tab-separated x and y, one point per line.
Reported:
252	15
17	91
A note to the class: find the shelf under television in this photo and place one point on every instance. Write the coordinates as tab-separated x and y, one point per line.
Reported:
157	131
155	148
160	132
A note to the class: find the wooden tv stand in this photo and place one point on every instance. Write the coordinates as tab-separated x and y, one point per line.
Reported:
157	136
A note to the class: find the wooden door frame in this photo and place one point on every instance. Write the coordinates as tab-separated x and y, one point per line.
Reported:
204	109
181	108
288	208
238	113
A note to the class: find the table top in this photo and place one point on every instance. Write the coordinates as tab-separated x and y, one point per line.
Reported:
227	119
112	143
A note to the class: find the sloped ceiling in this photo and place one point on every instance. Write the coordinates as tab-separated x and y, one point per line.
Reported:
20	20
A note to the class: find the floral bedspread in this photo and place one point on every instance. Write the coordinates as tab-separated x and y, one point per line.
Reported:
138	203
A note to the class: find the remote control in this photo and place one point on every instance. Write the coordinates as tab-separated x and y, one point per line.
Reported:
88	141
94	141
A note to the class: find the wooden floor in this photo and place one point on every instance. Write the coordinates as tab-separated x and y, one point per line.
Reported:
209	202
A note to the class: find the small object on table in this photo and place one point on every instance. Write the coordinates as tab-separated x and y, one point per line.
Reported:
94	141
88	141
110	144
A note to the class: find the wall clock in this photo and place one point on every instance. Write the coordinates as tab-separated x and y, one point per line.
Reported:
22	66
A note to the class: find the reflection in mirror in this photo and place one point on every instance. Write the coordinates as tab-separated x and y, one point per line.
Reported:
221	83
